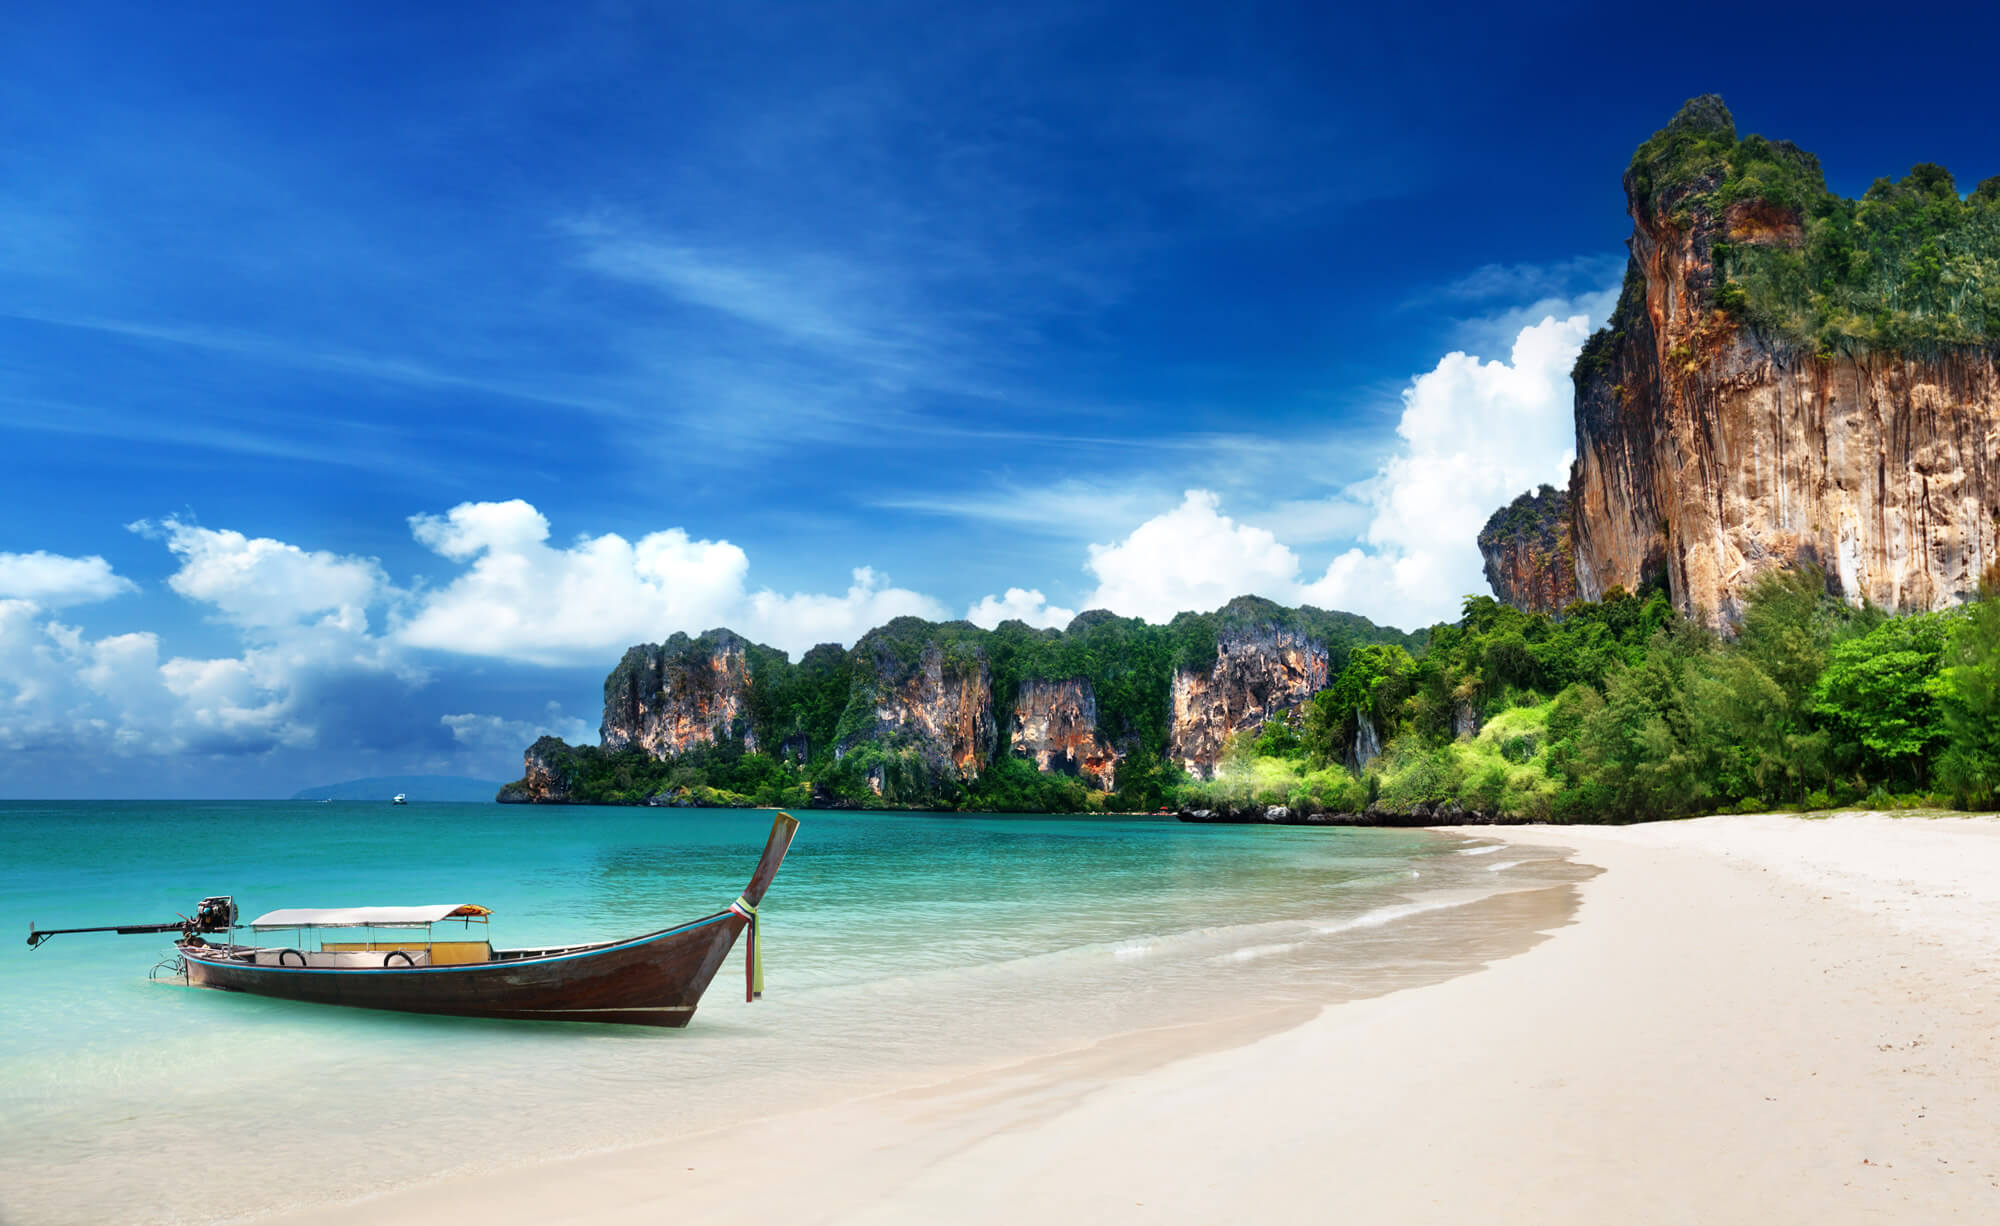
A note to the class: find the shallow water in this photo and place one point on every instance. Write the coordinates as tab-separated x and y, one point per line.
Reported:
899	947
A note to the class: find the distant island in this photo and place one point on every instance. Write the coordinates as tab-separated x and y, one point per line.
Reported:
419	788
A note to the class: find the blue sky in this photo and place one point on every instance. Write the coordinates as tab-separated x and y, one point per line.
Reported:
369	377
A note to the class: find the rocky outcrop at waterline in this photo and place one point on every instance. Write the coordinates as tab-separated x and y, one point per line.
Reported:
545	777
1447	813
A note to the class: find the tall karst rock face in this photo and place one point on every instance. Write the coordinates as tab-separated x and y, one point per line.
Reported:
924	701
1054	725
1530	553
1791	377
1259	670
668	698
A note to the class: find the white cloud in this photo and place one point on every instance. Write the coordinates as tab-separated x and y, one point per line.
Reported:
1473	435
470	527
523	599
801	620
1192	557
256	582
305	652
1497	332
53	581
1313	521
1019	604
58	687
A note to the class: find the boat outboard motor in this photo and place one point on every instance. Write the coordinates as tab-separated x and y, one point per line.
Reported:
215	915
210	915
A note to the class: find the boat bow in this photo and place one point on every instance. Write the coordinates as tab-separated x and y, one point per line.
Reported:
782	830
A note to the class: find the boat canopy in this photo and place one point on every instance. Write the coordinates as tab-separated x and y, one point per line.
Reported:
370	917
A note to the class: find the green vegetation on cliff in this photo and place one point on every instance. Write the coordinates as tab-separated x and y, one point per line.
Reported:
1909	266
1623	711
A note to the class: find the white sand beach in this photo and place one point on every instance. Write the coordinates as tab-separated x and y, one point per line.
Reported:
1750	1019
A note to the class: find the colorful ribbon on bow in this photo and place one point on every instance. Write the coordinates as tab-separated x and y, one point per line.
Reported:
753	965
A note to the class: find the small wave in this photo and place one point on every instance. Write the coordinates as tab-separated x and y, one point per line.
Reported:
1389	915
1131	953
1261	951
1494	868
1486	850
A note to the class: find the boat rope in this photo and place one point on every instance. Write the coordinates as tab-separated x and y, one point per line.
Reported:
754	964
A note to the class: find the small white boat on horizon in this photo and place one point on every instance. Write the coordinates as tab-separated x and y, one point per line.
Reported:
400	799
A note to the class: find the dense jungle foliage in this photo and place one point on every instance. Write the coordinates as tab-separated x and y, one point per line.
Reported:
1909	266
1623	711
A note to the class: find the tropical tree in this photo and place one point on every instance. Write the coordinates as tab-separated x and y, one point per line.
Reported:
1970	701
1879	698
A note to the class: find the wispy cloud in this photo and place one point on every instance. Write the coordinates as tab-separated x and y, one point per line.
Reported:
1069	509
280	352
818	301
1515	283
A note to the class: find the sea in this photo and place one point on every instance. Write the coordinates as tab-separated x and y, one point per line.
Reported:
900	949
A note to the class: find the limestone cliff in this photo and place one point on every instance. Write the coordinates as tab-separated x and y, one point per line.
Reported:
1259	669
1529	552
544	778
1054	725
1724	429
670	697
922	697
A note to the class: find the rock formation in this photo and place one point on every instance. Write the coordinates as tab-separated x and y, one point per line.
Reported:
927	702
1710	449
673	696
1054	725
1530	556
544	781
1258	671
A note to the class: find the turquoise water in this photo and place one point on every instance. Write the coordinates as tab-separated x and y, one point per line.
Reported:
899	946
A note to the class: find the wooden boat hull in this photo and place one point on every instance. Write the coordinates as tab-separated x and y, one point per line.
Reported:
651	980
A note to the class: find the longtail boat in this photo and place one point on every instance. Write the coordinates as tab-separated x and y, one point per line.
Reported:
655	979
